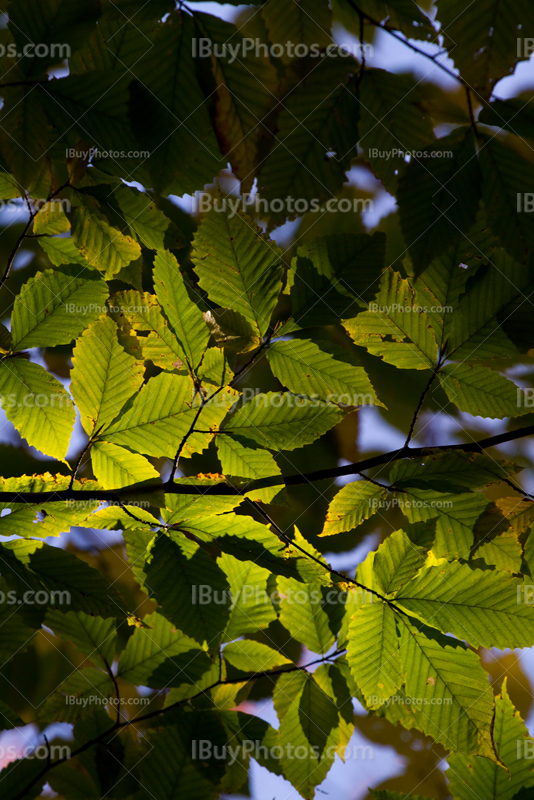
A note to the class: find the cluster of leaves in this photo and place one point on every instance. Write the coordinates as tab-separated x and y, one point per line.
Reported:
164	317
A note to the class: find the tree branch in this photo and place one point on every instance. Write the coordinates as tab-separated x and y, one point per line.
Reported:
225	489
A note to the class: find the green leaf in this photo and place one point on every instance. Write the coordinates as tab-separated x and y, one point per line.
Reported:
63	251
246	94
142	312
392	123
396	561
394	328
243	459
50	219
48	23
18	628
503	552
506	179
475	330
448	680
104	246
297	728
160	415
471	778
199	601
252	608
249	656
456	517
237	266
451	471
159	655
169	771
438	196
81	586
513	115
88	685
24	153
482	392
315	141
170	115
248	540
184	507
282	421
37	405
302	613
54	307
9	187
104	377
307	23
484	42
303	367
353	503
317	299
95	107
145	220
318	715
373	653
440	286
184	318
351	261
520	512
94	636
487	608
115	467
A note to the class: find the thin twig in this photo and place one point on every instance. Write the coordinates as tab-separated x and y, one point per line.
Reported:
383	26
12	255
117	693
420	405
471	114
323	564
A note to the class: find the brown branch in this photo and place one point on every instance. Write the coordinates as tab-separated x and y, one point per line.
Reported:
225	489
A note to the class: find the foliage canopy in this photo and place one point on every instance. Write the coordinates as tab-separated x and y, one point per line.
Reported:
213	378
